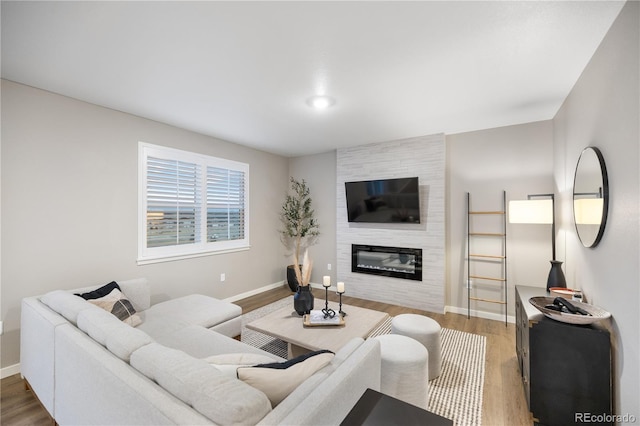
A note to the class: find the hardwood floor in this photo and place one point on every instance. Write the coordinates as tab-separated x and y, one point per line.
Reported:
19	406
503	396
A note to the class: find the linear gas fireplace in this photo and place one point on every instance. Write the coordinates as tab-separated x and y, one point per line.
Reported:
395	262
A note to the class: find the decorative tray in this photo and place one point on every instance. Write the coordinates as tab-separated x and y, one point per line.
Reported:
597	314
316	319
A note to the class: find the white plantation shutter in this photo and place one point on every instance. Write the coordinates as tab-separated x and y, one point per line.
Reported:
173	202
225	204
191	204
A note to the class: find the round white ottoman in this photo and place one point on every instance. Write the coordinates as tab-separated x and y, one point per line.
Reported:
405	369
426	331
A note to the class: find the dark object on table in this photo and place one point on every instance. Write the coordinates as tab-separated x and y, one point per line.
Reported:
375	408
562	302
559	309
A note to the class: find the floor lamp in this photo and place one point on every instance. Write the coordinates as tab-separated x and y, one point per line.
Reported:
540	209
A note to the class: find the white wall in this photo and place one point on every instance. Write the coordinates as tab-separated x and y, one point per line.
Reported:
423	157
69	205
516	159
603	110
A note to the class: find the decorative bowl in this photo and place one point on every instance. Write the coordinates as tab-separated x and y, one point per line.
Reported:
597	314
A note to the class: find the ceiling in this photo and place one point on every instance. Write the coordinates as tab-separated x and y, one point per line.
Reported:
243	71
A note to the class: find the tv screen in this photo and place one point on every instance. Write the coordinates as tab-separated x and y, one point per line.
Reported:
383	201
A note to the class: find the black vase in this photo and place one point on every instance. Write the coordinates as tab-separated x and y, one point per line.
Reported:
556	276
292	281
303	300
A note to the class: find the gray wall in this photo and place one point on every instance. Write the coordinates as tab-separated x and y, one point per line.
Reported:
69	205
603	111
319	171
518	160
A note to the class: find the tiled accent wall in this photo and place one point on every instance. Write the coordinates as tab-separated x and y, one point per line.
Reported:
423	157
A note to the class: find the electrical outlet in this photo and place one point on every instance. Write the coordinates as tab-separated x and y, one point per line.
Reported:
328	266
223	277
1	328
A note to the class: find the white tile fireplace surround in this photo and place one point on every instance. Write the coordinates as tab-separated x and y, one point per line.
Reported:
423	157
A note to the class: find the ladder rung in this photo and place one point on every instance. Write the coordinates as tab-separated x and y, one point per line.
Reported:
488	300
486	278
488	256
493	212
486	234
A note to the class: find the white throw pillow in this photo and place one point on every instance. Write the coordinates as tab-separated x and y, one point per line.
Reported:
228	364
278	380
240	358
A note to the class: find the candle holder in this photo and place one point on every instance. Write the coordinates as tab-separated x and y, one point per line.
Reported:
340	311
328	313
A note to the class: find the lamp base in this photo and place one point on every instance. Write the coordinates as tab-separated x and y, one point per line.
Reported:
556	276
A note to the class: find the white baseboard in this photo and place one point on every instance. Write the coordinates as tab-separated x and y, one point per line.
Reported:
9	371
480	314
269	287
254	292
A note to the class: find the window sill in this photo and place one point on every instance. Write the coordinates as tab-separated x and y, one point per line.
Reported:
161	259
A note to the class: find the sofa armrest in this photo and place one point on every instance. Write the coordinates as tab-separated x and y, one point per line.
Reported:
94	387
37	336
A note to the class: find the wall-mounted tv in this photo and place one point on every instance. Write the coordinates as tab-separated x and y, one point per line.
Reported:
383	201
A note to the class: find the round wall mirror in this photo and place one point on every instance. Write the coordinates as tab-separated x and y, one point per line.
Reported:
590	196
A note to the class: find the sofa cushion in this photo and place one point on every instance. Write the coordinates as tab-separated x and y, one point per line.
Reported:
200	342
126	340
118	337
222	399
99	324
277	380
195	309
66	304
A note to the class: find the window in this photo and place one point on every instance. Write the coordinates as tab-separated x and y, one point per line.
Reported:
190	204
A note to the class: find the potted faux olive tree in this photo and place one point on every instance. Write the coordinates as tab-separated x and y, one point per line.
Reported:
299	231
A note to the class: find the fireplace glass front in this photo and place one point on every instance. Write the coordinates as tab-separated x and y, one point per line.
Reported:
397	262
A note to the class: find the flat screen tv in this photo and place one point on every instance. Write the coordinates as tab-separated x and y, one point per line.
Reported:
383	201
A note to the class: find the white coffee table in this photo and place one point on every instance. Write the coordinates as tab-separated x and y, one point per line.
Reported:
285	324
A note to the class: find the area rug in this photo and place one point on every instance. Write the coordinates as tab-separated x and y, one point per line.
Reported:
456	394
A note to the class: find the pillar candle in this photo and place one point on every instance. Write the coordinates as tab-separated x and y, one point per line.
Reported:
340	287
326	281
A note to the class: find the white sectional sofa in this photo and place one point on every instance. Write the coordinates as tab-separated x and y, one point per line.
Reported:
88	368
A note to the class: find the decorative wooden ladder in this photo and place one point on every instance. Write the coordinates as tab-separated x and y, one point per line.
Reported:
501	257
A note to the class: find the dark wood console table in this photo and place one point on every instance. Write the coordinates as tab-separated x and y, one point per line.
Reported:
566	369
375	408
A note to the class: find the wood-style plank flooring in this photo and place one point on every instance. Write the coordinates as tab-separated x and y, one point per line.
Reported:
503	396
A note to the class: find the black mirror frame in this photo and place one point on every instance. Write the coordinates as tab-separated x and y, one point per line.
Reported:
605	196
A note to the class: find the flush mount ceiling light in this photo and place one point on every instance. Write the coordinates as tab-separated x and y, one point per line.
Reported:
320	102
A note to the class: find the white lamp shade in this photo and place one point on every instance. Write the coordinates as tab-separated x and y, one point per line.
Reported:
588	211
531	211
